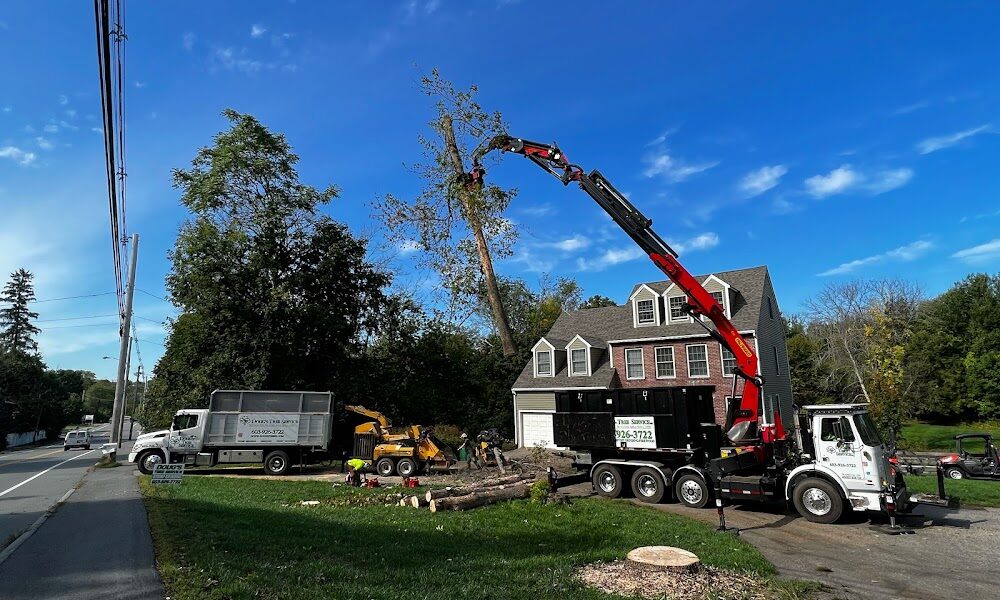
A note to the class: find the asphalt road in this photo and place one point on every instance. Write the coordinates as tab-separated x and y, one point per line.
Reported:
32	480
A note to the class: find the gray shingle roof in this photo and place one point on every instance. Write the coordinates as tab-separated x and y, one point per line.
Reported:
611	323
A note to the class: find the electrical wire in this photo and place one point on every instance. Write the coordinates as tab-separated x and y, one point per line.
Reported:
75	318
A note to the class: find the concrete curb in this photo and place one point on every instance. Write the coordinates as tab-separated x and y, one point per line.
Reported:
9	550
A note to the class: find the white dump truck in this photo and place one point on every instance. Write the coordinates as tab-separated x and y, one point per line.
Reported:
276	428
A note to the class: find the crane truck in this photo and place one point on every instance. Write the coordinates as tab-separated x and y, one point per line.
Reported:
662	442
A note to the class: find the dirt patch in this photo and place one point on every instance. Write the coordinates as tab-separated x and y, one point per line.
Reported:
628	579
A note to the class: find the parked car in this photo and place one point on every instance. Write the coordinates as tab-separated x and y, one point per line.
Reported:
78	438
975	457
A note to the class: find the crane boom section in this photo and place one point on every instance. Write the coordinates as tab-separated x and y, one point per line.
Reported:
747	420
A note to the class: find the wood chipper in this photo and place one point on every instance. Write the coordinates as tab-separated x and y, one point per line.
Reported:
406	450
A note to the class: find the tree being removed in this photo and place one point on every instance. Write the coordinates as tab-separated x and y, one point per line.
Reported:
460	228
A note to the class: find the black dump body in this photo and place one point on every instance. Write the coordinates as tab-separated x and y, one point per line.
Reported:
683	419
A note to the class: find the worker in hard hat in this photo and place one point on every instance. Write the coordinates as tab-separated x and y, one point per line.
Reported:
467	452
356	469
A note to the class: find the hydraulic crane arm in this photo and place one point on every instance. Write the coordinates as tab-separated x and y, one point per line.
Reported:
747	420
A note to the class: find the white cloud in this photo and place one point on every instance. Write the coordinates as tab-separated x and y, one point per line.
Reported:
836	181
187	41
610	258
140	84
8	109
663	165
933	144
907	253
409	247
885	181
980	253
909	108
234	59
531	262
43	143
577	242
97	129
63	100
51	128
17	155
757	182
704	241
539	210
257	30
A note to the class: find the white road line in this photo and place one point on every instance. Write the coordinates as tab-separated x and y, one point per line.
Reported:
37	475
5	554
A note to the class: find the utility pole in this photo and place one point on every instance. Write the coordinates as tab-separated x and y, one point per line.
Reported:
123	351
135	402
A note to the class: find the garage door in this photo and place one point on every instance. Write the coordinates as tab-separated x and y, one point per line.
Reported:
536	430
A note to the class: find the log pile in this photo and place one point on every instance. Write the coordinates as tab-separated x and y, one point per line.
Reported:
483	493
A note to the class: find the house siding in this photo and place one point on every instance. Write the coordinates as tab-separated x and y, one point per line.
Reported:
723	384
771	335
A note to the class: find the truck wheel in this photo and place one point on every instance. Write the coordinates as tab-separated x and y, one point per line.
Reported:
608	481
406	467
954	473
385	467
276	463
648	486
148	461
691	490
817	500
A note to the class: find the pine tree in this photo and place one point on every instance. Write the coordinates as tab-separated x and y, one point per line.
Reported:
17	333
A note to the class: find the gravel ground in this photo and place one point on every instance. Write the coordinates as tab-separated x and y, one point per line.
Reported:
628	579
954	557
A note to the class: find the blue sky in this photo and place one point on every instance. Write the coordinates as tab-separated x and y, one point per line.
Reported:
827	142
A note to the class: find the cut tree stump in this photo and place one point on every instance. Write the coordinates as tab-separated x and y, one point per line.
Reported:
478	499
416	501
476	487
664	558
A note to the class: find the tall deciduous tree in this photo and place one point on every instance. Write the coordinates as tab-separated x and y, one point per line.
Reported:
460	227
273	294
597	301
17	332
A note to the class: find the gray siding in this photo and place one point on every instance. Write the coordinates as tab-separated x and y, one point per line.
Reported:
771	336
534	401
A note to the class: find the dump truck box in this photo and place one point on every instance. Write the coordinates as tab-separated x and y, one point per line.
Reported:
269	418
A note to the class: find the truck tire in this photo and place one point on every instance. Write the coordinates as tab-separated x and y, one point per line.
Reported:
276	463
406	467
817	500
648	485
692	490
148	460
385	467
954	473
608	481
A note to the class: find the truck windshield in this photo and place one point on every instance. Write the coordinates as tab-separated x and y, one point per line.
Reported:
869	435
184	422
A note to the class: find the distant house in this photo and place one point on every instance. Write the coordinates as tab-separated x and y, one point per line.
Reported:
649	342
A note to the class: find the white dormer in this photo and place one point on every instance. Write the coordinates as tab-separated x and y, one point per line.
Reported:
581	356
544	358
673	299
720	290
645	307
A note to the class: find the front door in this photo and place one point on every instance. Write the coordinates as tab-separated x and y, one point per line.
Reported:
840	451
185	435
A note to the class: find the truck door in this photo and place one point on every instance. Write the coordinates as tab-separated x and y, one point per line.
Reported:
838	449
185	435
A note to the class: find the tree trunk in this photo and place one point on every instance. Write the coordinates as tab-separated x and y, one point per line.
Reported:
478	499
475	487
485	260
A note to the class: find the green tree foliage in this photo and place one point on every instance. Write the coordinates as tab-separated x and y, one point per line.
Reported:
814	381
273	294
597	301
99	400
17	332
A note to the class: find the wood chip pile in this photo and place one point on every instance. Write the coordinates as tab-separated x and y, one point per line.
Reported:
628	579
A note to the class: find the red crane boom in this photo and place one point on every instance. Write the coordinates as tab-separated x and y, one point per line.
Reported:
743	426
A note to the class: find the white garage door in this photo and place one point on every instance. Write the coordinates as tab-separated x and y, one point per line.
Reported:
536	430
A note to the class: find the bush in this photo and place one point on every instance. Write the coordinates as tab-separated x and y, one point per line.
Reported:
540	492
449	434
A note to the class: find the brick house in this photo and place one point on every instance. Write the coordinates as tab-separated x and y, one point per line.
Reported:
648	342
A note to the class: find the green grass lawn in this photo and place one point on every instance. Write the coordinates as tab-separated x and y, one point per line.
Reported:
968	492
926	437
243	538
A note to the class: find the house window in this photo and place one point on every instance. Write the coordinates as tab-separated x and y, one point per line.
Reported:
728	362
777	365
665	362
676	313
770	308
543	363
697	355
644	312
578	361
719	298
633	364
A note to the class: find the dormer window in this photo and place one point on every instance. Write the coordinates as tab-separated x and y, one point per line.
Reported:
719	298
676	304
645	312
543	363
578	361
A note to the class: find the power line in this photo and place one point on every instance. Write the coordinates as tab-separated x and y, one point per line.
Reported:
75	318
152	295
71	297
150	320
115	324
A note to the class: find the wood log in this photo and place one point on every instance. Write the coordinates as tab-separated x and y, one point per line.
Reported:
476	487
404	501
664	558
417	501
482	498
